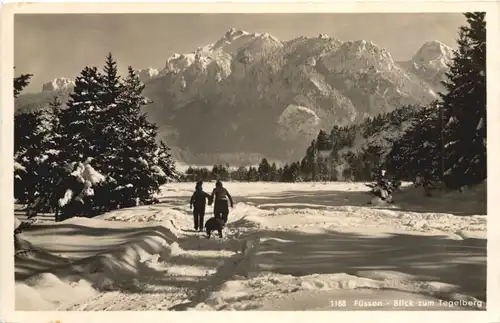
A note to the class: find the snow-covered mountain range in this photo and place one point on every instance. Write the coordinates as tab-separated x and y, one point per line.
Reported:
250	92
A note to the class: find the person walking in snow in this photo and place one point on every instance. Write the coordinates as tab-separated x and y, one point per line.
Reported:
221	198
199	200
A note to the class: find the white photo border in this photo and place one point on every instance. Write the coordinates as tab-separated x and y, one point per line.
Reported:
7	299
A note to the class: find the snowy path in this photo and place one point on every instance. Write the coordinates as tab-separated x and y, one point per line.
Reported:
301	246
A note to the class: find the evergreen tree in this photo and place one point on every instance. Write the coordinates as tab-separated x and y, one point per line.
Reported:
323	151
291	173
240	174
20	83
323	142
253	174
79	120
216	172
417	154
20	171
294	172
103	124
24	130
310	165
166	161
113	87
38	153
28	135
273	173
279	175
304	169
35	154
286	177
323	170
205	175
464	106
198	174
23	123
190	175
119	109
223	172
132	157
264	170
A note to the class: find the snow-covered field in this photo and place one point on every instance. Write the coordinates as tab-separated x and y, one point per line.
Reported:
304	246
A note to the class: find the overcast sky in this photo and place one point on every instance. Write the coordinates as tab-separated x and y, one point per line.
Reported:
51	46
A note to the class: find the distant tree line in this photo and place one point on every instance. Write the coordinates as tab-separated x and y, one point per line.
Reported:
265	172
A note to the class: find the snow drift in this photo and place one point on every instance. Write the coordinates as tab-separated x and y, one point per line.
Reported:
125	258
284	245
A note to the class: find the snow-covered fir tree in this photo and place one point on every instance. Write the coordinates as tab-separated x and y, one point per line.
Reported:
285	176
20	82
416	156
323	149
221	172
264	170
81	116
196	174
309	165
110	119
26	138
27	129
240	174
464	106
21	121
35	156
291	173
96	153
20	141
111	83
136	164
273	173
82	143
252	174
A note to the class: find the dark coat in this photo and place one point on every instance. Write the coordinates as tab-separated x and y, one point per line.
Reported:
220	196
199	199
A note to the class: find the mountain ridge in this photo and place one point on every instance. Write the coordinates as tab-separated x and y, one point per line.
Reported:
252	92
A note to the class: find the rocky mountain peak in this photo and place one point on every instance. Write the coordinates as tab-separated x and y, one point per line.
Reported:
57	84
